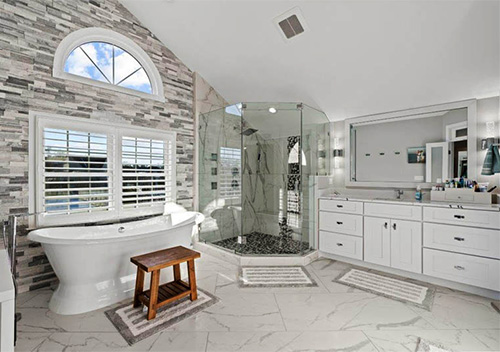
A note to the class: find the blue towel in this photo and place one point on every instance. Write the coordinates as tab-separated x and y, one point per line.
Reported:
491	164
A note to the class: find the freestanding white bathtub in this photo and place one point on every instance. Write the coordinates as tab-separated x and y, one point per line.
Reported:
93	262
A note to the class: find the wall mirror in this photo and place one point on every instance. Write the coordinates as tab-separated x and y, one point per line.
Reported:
422	146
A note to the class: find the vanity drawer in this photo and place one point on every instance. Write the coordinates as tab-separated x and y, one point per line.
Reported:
347	246
479	218
342	223
463	239
467	269
394	211
341	206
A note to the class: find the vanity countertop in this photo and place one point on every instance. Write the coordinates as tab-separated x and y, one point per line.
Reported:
409	201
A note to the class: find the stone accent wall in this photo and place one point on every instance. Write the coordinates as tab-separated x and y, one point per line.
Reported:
30	32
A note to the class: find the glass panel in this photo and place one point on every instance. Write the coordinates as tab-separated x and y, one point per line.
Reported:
125	64
138	81
274	212
78	63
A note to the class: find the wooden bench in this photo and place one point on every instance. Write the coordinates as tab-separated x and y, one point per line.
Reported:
157	296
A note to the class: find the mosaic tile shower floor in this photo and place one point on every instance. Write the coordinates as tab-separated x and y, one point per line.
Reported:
262	244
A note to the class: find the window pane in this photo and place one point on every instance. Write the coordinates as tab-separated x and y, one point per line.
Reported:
79	64
138	81
125	64
102	55
94	60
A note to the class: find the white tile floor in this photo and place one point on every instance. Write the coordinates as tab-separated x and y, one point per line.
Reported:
331	317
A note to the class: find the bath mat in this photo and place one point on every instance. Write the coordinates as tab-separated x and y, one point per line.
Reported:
416	294
426	346
132	324
275	276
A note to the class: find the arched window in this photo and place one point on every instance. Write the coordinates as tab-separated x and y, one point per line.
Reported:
110	60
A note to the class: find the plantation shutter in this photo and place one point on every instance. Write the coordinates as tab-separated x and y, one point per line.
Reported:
147	171
229	176
76	172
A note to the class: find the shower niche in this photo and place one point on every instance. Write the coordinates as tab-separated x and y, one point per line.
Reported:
258	164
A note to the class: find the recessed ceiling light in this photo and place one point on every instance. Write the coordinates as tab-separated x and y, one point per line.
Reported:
272	110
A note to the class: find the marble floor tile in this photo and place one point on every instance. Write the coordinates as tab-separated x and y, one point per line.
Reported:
40	300
489	338
44	320
28	341
328	270
242	312
289	341
460	311
454	340
79	341
346	311
227	282
211	263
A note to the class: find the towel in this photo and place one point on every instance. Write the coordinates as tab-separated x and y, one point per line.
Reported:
491	163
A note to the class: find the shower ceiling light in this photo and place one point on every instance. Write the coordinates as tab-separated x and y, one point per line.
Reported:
272	110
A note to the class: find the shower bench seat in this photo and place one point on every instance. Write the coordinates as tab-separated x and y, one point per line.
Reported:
160	295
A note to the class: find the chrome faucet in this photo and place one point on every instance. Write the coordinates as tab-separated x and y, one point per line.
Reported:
399	193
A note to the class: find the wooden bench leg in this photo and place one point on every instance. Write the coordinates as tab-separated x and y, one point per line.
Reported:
139	287
177	272
192	280
153	295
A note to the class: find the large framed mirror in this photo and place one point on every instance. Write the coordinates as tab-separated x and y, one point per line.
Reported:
403	149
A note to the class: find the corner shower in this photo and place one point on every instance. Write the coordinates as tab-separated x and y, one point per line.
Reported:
258	164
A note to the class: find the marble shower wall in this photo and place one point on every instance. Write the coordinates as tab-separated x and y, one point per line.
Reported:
31	31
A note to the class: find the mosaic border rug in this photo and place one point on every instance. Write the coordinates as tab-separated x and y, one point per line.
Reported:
275	276
132	324
399	289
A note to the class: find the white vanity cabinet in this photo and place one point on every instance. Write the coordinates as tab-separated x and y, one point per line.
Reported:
377	240
455	242
395	243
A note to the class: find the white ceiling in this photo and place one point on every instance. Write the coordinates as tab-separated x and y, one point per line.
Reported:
357	58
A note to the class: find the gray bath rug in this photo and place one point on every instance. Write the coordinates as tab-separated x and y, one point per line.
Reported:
401	290
132	324
426	346
275	276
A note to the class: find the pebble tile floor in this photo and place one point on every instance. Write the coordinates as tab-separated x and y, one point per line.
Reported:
330	317
263	244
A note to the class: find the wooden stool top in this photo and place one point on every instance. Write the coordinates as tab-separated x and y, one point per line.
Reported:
166	257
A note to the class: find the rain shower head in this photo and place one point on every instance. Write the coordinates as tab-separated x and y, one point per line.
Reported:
249	131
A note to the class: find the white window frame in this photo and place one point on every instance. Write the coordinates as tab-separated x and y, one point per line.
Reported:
114	132
94	34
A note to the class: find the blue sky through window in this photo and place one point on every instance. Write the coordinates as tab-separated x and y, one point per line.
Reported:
105	62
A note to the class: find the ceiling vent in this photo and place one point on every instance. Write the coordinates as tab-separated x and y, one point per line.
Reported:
291	24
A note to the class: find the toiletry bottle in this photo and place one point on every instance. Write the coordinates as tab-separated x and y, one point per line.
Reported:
418	193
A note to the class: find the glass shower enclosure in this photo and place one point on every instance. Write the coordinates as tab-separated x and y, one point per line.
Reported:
257	168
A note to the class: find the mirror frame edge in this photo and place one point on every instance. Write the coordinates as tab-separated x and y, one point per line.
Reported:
470	104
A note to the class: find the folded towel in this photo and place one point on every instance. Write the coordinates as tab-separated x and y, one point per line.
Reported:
491	163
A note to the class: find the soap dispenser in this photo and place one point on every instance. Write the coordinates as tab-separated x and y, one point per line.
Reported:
418	193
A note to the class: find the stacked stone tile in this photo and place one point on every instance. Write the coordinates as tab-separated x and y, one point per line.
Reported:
30	31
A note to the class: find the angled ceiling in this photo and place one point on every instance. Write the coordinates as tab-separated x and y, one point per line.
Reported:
355	57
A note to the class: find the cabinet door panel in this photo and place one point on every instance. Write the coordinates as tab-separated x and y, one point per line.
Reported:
406	245
377	239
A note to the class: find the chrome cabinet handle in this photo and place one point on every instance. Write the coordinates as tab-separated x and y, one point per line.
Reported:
458	267
394	226
121	229
459	216
460	239
385	225
339	244
339	222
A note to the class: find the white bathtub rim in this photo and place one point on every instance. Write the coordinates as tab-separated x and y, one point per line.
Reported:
38	234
